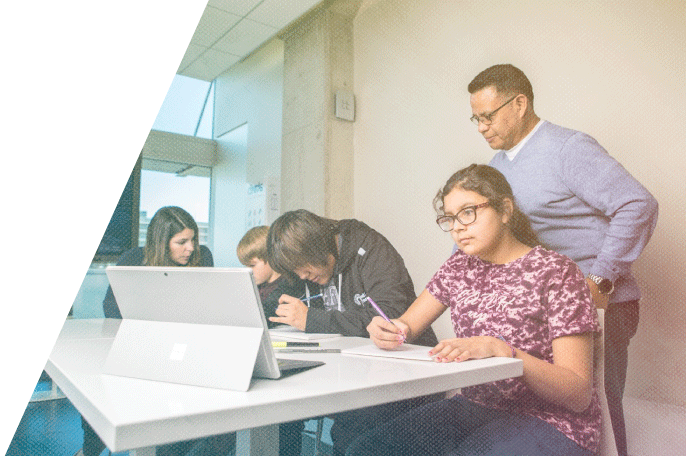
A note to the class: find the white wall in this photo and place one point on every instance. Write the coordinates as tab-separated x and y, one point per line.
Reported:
317	155
228	196
247	128
612	69
252	92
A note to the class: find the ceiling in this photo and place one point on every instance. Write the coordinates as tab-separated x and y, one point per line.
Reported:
231	29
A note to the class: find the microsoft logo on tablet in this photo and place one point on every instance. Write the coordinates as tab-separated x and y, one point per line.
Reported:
178	352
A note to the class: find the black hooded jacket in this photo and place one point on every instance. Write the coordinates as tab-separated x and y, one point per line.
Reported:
367	265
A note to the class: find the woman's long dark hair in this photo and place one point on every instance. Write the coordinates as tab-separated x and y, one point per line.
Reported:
490	183
165	224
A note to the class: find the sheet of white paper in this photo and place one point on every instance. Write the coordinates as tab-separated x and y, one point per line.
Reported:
290	333
405	351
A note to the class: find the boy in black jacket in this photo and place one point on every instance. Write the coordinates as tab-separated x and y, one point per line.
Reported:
346	262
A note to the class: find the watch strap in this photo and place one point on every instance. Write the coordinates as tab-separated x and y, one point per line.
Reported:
603	284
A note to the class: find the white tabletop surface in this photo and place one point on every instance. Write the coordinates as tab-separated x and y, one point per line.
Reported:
130	413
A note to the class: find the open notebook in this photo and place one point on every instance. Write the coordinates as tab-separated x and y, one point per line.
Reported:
405	351
194	326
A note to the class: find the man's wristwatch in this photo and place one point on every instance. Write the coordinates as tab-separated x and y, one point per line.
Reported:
605	286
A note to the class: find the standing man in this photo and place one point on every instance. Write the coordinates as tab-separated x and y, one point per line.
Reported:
581	203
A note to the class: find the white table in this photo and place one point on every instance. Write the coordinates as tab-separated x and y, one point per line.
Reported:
136	415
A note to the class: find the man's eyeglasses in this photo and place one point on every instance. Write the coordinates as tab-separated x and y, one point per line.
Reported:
487	119
466	216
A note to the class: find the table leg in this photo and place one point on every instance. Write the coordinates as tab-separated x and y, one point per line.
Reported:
261	441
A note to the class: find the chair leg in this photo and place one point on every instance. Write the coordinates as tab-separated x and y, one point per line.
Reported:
318	437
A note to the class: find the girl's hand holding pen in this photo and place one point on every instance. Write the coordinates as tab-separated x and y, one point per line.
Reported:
387	334
400	332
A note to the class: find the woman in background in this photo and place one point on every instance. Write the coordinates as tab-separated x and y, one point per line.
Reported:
171	240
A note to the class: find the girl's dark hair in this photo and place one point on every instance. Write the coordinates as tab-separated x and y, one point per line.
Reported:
165	224
489	182
300	238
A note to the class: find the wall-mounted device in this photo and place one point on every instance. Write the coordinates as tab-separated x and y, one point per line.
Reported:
345	104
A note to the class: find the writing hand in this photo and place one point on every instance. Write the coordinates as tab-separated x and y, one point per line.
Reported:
386	334
291	311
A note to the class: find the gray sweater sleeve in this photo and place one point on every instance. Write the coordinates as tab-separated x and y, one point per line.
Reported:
603	183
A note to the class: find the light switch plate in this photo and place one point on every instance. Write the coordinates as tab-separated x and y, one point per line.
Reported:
345	105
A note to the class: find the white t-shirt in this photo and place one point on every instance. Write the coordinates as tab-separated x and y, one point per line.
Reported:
515	150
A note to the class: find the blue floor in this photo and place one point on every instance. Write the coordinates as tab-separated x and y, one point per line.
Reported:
53	428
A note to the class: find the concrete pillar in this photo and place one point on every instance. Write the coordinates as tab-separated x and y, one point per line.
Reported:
317	148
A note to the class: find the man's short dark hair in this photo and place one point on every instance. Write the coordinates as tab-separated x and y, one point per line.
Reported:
507	79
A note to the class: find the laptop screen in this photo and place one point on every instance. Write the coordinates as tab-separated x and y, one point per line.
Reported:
195	295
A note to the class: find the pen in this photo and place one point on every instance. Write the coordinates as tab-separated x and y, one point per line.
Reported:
308	298
309	350
294	344
311	297
383	315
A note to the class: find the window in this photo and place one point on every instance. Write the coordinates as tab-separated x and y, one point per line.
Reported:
188	108
162	178
172	184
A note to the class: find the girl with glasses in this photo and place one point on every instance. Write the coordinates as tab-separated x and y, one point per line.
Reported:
508	296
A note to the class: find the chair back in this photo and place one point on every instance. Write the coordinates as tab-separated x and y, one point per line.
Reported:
607	436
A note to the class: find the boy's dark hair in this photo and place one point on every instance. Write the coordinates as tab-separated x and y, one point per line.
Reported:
507	79
252	245
300	238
